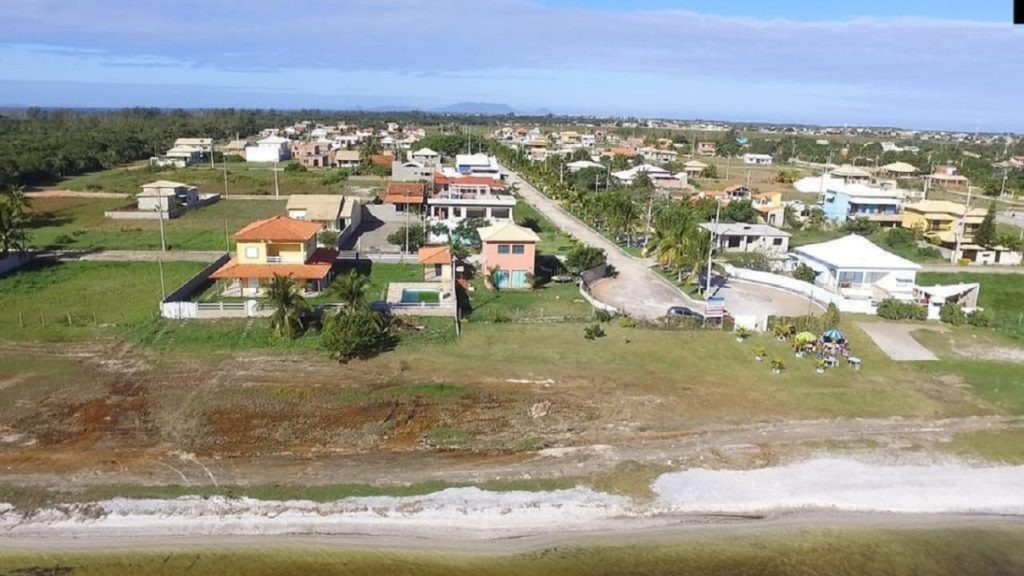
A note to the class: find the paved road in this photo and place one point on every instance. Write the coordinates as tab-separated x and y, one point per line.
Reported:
896	341
637	290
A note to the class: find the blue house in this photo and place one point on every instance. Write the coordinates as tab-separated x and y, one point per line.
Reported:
851	201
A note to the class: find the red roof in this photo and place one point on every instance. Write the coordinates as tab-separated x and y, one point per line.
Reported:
316	268
468	181
435	255
382	159
404	193
278	229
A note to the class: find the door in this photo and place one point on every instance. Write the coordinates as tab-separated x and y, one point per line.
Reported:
518	279
252	287
501	279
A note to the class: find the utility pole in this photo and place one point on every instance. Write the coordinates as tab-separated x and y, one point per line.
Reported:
224	162
960	228
277	186
163	286
163	240
711	246
212	165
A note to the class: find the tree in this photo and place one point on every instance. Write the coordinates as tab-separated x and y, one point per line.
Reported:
696	248
369	148
710	171
416	236
13	221
327	238
287	321
805	273
861	226
986	234
739	211
467	232
582	258
350	287
356	332
831	317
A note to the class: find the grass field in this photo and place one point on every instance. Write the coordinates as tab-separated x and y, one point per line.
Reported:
243	178
102	298
1001	294
552	240
548	301
78	223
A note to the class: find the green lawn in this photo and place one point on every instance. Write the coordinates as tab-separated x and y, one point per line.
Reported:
243	178
552	240
548	301
1001	294
78	223
102	298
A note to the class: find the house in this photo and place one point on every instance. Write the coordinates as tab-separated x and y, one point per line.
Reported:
850	201
411	171
653	172
203	145
737	192
277	246
478	165
164	196
456	199
899	170
331	211
849	174
235	148
769	208
757	159
578	165
659	156
706	148
382	160
509	254
694	168
856	269
628	153
942	221
946	177
269	149
436	262
426	157
178	157
405	195
741	237
311	154
346	158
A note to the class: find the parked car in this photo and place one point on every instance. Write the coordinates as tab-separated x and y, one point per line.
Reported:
683	312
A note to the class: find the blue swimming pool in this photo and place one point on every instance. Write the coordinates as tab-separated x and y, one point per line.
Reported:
420	296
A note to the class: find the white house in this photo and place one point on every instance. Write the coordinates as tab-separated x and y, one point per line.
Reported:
456	199
858	270
411	171
478	165
757	159
203	145
653	172
164	196
740	237
426	157
269	149
578	165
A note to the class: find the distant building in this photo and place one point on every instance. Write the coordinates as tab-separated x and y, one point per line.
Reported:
851	201
757	159
269	149
706	148
740	237
478	165
311	154
411	171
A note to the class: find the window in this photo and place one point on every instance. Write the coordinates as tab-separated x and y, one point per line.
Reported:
500	213
518	249
504	249
476	212
252	252
777	241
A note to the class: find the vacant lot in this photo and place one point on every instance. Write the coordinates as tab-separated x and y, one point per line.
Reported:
97	299
78	223
552	240
1001	294
242	179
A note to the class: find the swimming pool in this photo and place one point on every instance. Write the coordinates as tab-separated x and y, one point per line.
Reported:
420	296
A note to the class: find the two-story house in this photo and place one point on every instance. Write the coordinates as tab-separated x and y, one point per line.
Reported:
509	254
942	222
851	201
269	149
456	199
277	246
311	154
769	208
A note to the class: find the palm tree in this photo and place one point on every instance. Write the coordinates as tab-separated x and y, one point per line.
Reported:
13	219
696	247
350	287
289	307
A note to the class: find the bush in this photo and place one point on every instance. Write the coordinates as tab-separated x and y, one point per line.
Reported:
356	332
294	167
980	319
928	252
334	177
327	238
805	273
627	322
952	313
893	309
593	332
831	318
861	226
582	258
603	315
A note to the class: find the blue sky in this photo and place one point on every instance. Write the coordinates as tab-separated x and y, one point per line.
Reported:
947	64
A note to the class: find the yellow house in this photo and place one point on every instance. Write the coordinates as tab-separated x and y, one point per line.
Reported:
277	246
769	207
939	219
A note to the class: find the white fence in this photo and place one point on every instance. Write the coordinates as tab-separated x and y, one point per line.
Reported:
815	293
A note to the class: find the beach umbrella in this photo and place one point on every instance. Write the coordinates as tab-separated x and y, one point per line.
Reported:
833	335
806	337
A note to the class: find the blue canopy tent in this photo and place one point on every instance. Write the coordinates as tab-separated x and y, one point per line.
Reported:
833	335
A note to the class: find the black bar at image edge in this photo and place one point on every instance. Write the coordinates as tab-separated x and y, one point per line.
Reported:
1018	11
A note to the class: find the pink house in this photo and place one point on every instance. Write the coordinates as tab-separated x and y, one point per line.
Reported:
509	252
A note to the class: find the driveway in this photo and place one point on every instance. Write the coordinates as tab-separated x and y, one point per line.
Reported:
637	290
896	341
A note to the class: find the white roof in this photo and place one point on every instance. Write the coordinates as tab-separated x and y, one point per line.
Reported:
472	160
850	171
694	164
900	168
581	164
507	232
152	187
945	291
857	190
854	252
652	171
742	229
752	155
274	140
425	152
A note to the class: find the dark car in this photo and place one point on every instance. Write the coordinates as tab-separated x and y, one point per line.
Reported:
683	312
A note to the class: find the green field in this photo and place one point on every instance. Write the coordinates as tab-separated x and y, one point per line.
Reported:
243	178
1001	294
101	298
990	548
552	240
78	223
551	301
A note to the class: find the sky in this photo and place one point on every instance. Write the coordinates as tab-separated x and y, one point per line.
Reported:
933	64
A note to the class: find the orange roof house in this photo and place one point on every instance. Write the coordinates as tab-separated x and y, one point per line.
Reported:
404	194
276	246
627	152
384	160
436	262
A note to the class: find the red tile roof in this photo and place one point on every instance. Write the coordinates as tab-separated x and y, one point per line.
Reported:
404	193
382	159
316	268
435	255
440	179
278	229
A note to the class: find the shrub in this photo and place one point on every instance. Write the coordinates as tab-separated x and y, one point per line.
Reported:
294	167
603	315
627	322
416	236
952	313
893	309
805	273
980	318
327	238
778	365
760	351
356	332
861	226
583	258
928	252
593	332
334	177
742	333
831	317
64	240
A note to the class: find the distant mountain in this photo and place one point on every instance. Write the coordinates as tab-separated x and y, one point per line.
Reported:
481	108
